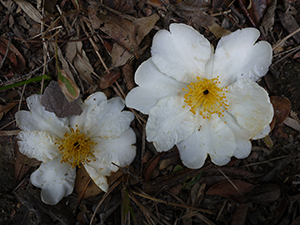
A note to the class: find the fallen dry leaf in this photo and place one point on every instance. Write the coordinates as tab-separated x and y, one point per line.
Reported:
256	10
240	215
68	86
265	193
6	108
268	19
292	123
122	31
124	6
108	79
14	58
289	23
22	164
127	71
28	8
55	101
143	26
76	55
282	108
217	30
151	165
84	185
226	189
193	11
296	221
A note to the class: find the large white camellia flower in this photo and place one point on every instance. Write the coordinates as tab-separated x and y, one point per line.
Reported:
204	102
97	137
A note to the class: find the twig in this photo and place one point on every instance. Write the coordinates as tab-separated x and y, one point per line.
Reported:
221	13
144	210
246	13
267	161
230	182
9	132
284	39
104	197
287	55
171	203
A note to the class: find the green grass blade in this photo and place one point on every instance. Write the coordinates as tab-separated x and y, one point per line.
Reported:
34	79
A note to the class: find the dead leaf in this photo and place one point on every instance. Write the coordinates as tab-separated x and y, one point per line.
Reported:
125	6
84	185
14	58
296	221
157	4
6	108
127	71
143	26
151	165
65	66
282	108
265	193
55	101
122	31
254	10
22	164
76	55
226	189
68	86
28	8
59	212
193	11
217	30
289	23
176	189
221	4
268	19
240	215
108	79
292	123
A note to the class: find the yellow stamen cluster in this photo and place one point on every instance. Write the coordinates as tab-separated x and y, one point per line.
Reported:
75	148
206	95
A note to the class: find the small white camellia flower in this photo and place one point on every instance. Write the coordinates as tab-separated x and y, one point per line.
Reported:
204	102
96	138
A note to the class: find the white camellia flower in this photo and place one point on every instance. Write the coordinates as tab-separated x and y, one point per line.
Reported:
204	102
96	138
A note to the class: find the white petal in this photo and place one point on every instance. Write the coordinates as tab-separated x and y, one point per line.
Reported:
38	144
107	120
220	139
243	144
97	177
238	56
181	53
40	119
169	123
120	151
193	151
250	105
153	86
262	133
55	179
215	138
92	101
95	99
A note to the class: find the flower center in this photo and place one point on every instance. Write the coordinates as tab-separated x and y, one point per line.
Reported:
206	95
75	148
